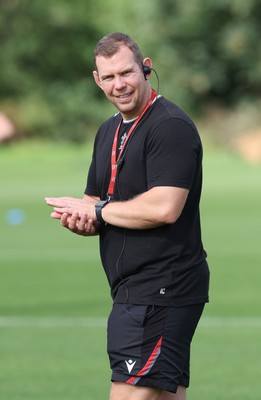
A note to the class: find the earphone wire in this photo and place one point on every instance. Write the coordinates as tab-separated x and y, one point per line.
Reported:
158	81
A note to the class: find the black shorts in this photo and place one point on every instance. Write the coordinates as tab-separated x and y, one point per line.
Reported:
150	345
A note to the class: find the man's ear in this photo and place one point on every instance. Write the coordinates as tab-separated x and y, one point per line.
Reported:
147	62
97	79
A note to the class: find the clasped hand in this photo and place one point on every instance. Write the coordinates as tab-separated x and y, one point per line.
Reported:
78	215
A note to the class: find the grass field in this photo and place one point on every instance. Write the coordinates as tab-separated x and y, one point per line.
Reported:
54	297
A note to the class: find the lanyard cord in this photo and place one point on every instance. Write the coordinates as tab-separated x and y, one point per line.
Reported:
114	158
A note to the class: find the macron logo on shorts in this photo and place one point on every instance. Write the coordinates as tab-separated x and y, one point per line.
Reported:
130	364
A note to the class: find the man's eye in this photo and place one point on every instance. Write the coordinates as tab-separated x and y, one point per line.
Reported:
107	78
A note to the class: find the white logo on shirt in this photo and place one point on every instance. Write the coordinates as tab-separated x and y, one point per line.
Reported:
123	138
130	364
163	290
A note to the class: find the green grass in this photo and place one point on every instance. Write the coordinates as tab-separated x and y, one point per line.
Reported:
50	277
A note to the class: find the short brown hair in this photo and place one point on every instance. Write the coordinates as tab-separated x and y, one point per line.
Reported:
110	44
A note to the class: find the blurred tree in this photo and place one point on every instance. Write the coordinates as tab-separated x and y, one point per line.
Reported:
205	51
46	65
213	48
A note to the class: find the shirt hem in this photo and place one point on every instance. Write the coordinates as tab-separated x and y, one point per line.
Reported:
160	302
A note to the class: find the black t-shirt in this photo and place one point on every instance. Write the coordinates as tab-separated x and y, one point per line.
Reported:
164	265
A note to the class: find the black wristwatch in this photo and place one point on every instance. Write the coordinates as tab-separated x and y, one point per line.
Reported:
98	208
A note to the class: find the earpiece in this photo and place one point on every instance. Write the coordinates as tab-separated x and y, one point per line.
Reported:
146	70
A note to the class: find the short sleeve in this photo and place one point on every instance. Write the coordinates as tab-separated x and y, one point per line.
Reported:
173	151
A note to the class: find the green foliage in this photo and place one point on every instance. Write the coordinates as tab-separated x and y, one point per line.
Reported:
206	52
46	66
212	46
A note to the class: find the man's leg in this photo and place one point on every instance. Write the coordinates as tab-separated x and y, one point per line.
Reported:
180	395
124	391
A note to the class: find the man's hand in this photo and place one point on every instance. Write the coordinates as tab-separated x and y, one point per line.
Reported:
77	215
70	204
79	225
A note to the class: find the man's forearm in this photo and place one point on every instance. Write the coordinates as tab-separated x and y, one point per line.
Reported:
158	206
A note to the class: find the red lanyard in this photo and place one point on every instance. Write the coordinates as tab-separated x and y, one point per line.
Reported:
114	158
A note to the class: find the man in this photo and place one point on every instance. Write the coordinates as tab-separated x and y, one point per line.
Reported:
142	198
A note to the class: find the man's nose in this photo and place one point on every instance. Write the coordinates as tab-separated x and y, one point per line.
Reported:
119	82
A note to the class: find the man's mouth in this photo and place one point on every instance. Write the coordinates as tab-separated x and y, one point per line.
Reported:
123	96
